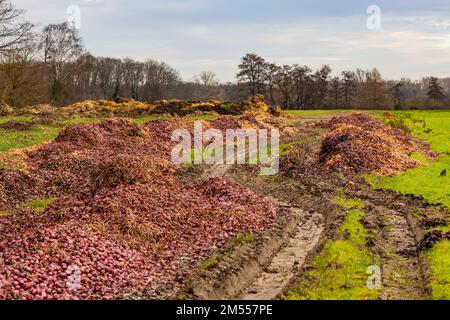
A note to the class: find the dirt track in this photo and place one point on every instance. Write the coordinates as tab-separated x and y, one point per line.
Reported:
285	264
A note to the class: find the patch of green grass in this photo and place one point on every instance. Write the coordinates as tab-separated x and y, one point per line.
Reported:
210	263
204	117
39	205
37	134
439	261
349	203
339	272
353	228
432	127
284	148
23	139
144	119
424	181
444	229
242	239
308	113
15	118
420	157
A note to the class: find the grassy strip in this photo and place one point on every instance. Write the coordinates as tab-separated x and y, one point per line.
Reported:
199	117
36	135
425	180
308	113
15	118
430	182
339	272
434	127
439	261
348	203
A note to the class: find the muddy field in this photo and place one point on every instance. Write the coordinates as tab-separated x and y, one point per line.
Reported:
101	212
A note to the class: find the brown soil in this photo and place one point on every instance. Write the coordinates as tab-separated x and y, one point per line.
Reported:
17	125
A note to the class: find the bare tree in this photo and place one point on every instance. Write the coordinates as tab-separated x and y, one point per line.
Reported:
397	94
14	30
83	77
208	84
19	84
348	87
371	91
320	86
334	92
61	45
159	79
301	82
108	77
271	72
285	85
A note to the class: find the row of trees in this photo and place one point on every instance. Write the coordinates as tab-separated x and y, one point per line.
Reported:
52	66
300	87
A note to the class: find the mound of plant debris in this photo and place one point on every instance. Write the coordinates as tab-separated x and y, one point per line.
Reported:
357	143
130	235
122	223
6	110
66	164
124	107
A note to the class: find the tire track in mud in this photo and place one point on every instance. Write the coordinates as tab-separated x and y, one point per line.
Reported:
396	244
397	248
401	273
318	216
285	265
265	269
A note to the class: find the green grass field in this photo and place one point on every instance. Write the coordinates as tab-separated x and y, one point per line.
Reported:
425	180
428	181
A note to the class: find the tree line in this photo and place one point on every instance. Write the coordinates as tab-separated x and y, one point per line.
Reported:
52	66
301	87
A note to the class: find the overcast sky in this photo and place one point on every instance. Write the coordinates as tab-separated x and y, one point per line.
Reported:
197	35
